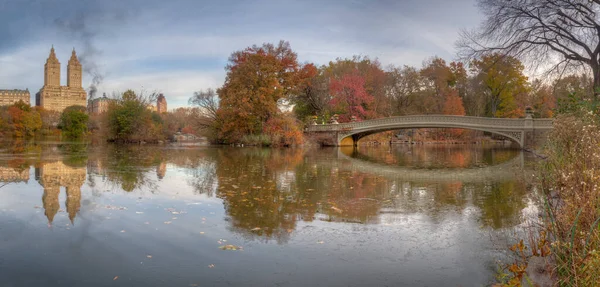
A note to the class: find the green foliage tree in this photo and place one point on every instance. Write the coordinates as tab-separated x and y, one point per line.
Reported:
130	120
74	122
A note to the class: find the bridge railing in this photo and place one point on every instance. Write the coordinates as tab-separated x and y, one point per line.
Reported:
435	119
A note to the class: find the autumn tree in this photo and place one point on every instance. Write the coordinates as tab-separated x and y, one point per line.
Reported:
541	99
21	120
312	96
560	34
500	80
404	86
349	97
257	78
374	79
453	105
440	79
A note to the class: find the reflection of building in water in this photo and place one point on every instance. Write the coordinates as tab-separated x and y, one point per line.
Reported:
161	169
54	175
9	174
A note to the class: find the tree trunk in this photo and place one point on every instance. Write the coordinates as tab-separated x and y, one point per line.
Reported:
596	72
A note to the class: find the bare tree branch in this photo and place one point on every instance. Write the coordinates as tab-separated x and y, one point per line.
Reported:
558	35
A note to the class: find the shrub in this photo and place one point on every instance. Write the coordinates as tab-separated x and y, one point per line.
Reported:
283	131
570	178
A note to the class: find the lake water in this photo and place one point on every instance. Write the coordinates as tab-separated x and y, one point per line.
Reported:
82	215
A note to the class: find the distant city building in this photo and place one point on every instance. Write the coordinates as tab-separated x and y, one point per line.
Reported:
99	105
54	97
161	104
9	97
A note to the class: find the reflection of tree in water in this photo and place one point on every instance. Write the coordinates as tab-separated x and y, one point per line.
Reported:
272	189
266	191
436	156
204	177
20	147
139	167
74	154
501	203
127	167
249	188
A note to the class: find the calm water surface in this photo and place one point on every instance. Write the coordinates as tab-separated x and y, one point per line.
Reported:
79	215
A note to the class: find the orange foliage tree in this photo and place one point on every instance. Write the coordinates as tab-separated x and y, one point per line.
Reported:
258	77
283	131
22	120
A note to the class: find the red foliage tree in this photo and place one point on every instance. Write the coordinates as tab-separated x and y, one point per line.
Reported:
349	97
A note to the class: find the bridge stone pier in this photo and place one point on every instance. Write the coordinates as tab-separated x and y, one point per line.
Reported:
527	132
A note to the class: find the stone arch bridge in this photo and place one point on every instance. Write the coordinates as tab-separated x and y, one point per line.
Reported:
526	132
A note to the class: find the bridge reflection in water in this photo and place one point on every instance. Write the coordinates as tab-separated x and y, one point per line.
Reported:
504	171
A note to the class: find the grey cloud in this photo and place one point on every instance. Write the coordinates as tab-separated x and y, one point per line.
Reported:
114	36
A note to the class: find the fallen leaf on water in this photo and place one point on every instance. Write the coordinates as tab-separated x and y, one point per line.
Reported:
139	212
116	277
146	222
230	247
321	242
148	256
167	222
193	285
201	232
174	218
122	231
211	266
336	209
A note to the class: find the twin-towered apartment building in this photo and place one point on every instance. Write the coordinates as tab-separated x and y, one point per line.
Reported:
54	97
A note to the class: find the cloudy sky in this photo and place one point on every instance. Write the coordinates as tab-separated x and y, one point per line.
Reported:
180	46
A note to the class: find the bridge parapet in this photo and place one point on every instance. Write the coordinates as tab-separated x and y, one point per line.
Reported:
467	120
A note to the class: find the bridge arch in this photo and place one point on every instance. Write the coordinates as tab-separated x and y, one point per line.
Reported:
522	131
352	139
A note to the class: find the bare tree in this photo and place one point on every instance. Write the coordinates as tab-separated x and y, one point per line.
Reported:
403	87
557	35
208	103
